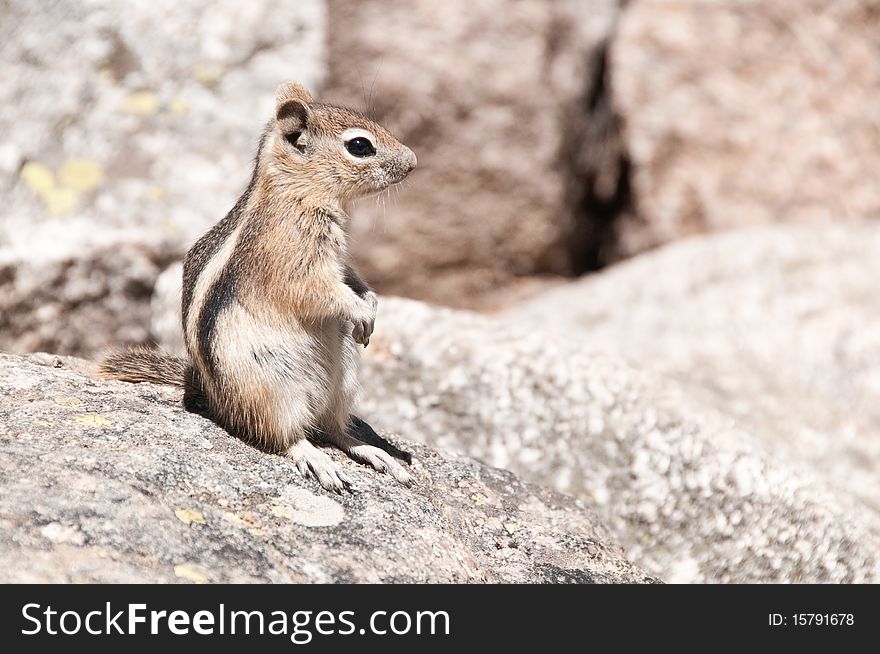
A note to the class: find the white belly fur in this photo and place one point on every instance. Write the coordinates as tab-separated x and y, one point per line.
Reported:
279	381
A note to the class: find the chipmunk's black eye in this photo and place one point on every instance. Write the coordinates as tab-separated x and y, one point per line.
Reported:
360	147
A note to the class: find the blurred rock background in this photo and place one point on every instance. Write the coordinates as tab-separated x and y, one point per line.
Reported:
126	129
706	169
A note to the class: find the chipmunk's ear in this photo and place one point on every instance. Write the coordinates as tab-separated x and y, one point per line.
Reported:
292	91
292	111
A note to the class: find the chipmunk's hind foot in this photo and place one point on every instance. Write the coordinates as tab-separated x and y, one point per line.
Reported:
375	457
310	460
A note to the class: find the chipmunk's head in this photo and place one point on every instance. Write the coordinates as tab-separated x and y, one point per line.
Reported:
331	153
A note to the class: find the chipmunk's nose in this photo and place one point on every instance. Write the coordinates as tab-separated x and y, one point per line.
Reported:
409	159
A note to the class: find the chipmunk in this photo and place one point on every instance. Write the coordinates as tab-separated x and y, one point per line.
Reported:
271	310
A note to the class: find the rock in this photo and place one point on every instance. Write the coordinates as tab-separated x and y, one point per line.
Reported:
746	113
714	400
692	494
76	297
131	124
110	482
774	326
165	318
491	96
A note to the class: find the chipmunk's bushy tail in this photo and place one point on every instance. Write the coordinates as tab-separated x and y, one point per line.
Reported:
144	364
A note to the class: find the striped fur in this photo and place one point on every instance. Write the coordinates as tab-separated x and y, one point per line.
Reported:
271	311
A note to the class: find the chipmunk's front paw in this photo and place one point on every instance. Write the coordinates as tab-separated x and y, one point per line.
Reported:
363	325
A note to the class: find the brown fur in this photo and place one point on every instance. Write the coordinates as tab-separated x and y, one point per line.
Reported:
271	310
142	364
